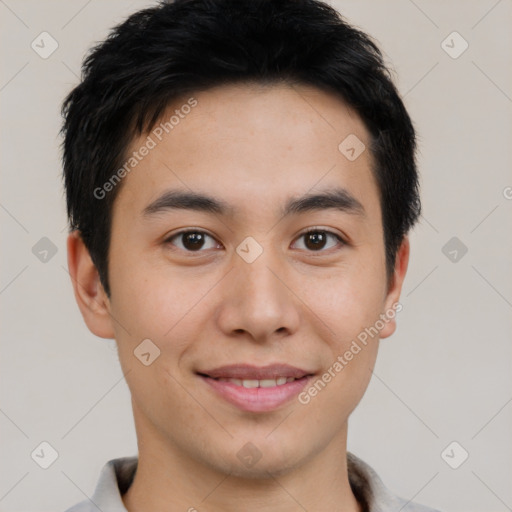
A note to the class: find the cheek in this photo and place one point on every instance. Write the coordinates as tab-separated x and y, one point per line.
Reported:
343	380
347	299
162	401
169	308
349	304
155	334
150	301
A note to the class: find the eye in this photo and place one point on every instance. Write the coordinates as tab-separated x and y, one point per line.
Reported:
192	240
317	239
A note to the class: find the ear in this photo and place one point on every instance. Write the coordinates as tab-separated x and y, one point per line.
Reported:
90	296
391	305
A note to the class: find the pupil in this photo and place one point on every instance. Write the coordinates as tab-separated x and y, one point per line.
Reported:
193	240
317	238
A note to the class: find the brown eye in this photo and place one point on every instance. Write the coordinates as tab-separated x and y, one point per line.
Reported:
191	241
316	240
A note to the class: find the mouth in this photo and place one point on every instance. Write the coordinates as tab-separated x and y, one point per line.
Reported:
255	383
256	389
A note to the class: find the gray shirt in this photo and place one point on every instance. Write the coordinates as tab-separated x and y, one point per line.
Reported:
117	475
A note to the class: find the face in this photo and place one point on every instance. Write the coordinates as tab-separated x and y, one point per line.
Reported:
255	297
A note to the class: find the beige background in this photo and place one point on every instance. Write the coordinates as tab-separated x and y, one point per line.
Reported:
444	376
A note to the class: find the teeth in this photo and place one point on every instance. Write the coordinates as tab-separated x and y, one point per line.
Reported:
264	383
250	383
268	383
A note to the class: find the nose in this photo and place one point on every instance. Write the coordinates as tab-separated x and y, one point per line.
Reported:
258	301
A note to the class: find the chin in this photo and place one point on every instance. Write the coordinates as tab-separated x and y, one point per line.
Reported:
264	468
260	458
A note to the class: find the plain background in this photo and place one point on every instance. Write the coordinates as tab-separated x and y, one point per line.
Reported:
444	376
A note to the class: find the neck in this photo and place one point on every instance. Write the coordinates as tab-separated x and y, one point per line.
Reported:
169	480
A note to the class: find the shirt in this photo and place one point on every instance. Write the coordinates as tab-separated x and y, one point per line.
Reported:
117	476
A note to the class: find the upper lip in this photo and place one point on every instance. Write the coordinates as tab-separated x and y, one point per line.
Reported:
250	372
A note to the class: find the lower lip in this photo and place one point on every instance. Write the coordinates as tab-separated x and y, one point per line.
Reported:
257	399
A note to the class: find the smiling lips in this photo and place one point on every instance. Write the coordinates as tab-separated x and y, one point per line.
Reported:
257	389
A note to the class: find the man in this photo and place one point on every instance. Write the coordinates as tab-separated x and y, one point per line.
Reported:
241	179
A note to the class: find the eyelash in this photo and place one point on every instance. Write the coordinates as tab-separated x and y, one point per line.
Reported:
340	240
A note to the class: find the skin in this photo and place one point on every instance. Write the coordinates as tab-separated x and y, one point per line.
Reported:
253	147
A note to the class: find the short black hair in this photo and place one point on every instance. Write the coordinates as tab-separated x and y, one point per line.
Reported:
184	46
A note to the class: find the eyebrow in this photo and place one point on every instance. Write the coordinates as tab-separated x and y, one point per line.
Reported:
337	198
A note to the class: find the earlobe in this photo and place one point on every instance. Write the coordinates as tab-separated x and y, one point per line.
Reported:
392	306
89	293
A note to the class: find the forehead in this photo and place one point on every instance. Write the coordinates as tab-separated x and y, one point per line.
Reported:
253	146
